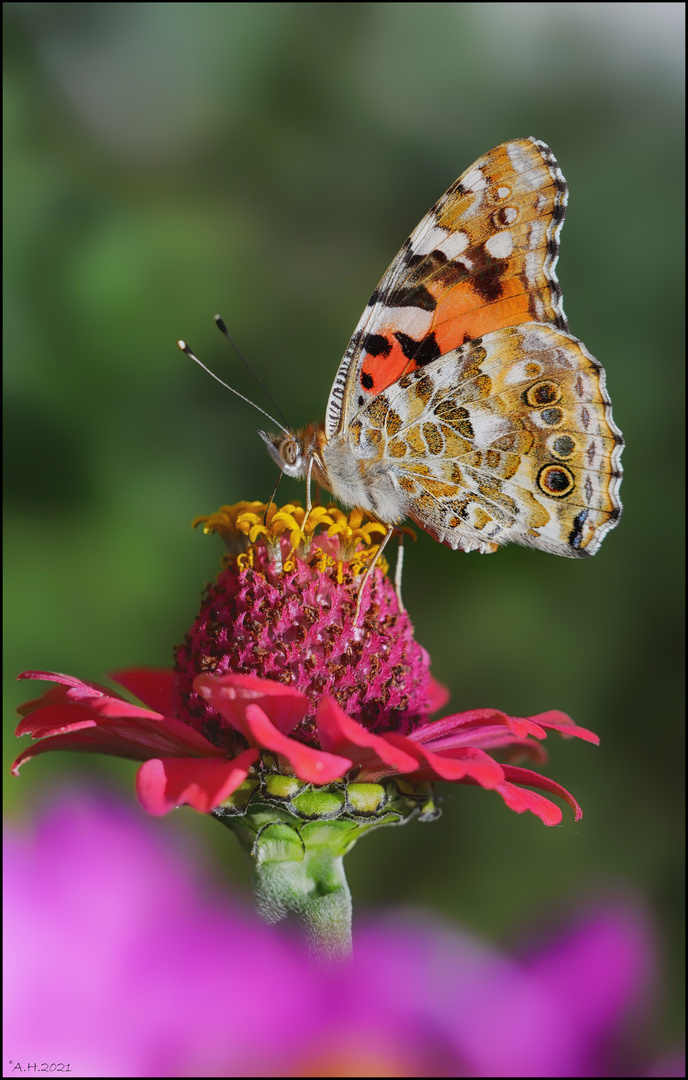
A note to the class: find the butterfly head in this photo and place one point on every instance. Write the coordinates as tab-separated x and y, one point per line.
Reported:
289	452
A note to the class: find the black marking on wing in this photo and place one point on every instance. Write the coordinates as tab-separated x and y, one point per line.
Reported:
576	534
377	345
412	296
487	275
411	292
423	352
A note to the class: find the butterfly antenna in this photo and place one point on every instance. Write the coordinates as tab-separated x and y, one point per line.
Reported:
220	323
185	349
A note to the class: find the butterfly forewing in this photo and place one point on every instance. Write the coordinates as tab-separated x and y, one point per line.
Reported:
483	258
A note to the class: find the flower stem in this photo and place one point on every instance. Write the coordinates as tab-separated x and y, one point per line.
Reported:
313	893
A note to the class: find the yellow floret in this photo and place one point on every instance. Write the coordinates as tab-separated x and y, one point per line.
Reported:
243	524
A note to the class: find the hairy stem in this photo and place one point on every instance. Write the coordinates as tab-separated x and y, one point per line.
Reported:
314	894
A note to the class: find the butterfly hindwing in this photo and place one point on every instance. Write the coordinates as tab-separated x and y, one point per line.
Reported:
508	438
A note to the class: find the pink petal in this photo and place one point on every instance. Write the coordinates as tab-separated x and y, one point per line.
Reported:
559	721
438	695
55	720
231	695
93	742
338	733
153	686
314	766
526	776
453	765
70	727
67	716
479	727
522	728
68	690
96	702
490	739
519	799
458	724
56	677
163	784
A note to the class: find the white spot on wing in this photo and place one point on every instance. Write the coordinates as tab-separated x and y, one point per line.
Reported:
520	158
533	267
535	338
429	240
474	181
488	427
503	192
454	244
410	320
500	245
537	233
516	374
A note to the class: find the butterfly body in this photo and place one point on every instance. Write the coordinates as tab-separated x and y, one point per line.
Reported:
462	402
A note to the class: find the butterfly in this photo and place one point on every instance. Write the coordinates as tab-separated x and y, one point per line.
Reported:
462	402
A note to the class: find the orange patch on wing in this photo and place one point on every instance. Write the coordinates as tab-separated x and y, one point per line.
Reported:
385	370
463	313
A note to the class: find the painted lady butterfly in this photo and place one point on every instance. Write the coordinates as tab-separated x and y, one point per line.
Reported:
461	401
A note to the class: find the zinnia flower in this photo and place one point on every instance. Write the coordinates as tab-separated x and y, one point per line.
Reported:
121	961
295	701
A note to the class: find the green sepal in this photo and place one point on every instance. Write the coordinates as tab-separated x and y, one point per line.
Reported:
296	836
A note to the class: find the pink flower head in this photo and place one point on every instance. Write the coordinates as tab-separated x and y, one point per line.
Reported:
277	678
121	961
289	617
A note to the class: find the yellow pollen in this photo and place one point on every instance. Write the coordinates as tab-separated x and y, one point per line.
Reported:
243	524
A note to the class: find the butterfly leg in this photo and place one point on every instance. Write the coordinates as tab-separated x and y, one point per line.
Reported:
398	570
272	497
309	501
378	553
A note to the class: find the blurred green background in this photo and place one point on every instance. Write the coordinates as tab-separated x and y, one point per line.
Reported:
167	161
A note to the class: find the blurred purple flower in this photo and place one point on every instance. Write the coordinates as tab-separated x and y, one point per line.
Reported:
121	962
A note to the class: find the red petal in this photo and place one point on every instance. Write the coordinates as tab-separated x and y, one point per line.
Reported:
153	686
56	720
340	734
438	695
559	721
460	725
73	727
70	690
314	766
50	719
519	799
522	728
163	784
478	727
453	765
56	677
526	776
232	694
491	739
481	727
93	741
